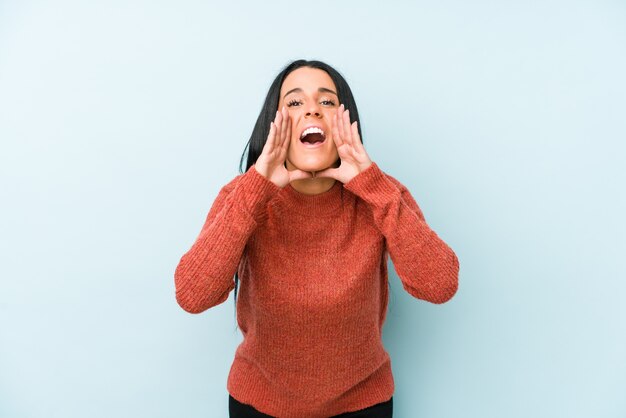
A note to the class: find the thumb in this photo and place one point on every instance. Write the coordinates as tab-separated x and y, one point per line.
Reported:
328	172
299	175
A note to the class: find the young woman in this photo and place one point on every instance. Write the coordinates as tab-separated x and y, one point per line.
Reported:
308	228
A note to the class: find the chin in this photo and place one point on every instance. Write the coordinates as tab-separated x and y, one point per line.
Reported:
313	164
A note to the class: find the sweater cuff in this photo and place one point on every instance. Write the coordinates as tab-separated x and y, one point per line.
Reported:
373	186
255	191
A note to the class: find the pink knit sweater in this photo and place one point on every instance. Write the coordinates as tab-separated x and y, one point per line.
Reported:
313	286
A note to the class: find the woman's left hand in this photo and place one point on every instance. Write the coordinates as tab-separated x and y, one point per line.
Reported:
353	157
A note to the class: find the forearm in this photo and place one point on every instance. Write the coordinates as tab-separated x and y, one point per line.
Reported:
204	275
426	265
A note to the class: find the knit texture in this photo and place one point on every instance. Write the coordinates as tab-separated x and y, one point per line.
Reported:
313	287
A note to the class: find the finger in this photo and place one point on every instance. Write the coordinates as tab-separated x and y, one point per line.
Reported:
279	124
356	138
335	129
286	123
287	120
340	113
299	175
270	137
288	137
328	172
347	133
284	146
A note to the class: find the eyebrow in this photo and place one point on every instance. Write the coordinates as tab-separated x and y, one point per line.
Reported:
320	89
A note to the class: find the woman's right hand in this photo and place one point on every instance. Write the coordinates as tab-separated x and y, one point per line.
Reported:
271	162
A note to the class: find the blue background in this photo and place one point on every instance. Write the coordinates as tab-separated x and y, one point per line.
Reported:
119	123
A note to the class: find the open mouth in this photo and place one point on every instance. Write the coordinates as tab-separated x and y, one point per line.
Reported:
313	136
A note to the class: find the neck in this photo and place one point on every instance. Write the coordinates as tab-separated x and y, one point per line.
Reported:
314	185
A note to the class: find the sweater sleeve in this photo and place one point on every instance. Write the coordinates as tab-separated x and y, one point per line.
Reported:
426	265
204	275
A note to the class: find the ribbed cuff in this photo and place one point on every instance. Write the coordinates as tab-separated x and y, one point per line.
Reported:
255	191
373	186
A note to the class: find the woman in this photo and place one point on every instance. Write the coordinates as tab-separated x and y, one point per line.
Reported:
308	228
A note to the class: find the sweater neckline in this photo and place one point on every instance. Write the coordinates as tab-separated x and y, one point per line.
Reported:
321	204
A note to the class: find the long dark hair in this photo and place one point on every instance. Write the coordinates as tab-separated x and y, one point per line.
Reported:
268	113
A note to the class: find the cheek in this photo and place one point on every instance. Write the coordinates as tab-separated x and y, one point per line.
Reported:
329	113
294	131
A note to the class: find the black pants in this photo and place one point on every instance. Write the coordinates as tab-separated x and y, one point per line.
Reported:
237	409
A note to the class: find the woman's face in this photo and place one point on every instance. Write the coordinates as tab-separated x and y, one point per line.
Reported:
310	97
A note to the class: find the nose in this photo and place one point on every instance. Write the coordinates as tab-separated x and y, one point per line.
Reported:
313	109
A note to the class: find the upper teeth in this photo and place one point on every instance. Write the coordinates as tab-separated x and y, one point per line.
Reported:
311	131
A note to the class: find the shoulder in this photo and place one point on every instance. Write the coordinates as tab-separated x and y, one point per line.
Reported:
394	180
391	178
232	183
401	186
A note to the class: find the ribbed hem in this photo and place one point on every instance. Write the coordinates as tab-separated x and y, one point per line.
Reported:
248	385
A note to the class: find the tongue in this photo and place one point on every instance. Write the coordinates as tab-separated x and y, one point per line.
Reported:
313	138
